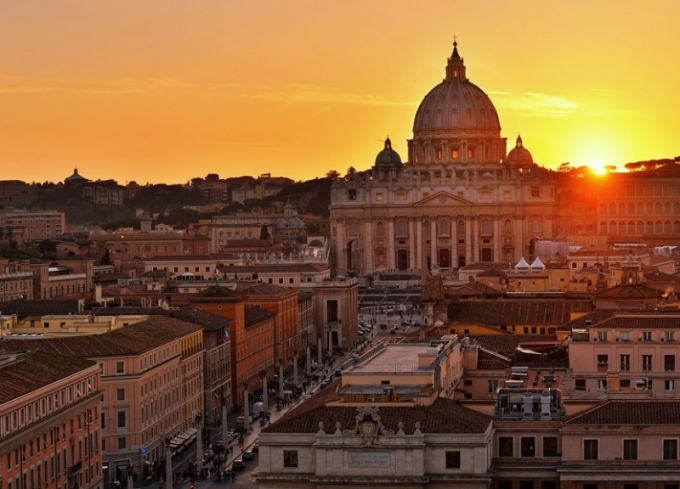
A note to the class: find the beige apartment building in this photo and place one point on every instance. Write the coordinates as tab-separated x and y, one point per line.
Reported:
634	353
151	386
37	225
50	434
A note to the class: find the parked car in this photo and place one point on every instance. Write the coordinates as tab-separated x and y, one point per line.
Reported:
248	455
256	447
325	383
238	464
232	435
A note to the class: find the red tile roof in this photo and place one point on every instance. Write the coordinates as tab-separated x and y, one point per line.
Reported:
129	340
516	311
631	412
443	416
37	369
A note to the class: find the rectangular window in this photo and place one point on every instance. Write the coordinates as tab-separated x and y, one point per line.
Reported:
550	446
670	449
602	384
589	486
602	360
625	362
646	336
669	336
669	385
528	446
505	446
121	443
121	419
120	367
630	449
590	450
453	460
669	363
646	363
580	384
624	336
290	458
535	192
602	336
120	394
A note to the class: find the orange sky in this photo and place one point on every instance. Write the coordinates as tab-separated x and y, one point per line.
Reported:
165	91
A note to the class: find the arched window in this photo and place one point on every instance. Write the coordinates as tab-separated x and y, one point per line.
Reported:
649	227
650	208
622	209
603	209
631	227
667	227
612	209
676	226
612	228
658	207
443	227
622	227
353	228
461	228
658	228
641	209
631	208
603	228
667	208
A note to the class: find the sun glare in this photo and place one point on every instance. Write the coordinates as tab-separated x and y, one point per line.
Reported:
598	168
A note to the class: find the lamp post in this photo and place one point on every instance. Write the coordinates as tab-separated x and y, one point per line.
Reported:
199	442
309	360
295	368
130	470
265	395
246	412
225	424
280	379
168	464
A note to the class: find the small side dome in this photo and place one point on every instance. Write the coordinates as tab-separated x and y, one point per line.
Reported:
519	155
388	157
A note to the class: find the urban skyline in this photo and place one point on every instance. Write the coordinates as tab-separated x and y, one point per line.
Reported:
166	94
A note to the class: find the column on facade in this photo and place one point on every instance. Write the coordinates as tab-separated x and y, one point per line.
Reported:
419	240
368	245
433	243
518	238
497	239
475	238
411	245
468	240
453	228
340	252
390	244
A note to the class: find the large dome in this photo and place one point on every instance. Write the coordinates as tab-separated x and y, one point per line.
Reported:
456	103
456	122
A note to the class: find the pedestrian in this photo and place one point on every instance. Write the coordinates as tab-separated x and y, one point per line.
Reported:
233	476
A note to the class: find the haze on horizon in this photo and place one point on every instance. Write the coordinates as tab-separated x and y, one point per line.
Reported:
164	92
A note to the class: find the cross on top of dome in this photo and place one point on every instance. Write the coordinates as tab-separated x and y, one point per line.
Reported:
455	68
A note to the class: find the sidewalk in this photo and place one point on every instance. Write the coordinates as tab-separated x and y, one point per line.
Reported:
250	438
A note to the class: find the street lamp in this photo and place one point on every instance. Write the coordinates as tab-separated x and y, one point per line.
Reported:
280	365
265	395
199	442
246	412
168	464
130	470
225	423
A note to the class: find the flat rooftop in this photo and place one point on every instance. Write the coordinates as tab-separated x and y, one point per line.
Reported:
394	358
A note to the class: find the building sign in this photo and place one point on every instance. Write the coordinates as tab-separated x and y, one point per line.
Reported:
369	459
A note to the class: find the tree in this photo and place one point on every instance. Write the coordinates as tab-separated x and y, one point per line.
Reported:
47	246
332	174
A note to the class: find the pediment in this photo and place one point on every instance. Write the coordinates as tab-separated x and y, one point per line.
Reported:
442	198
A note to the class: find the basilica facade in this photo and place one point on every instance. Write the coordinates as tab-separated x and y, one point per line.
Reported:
462	197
